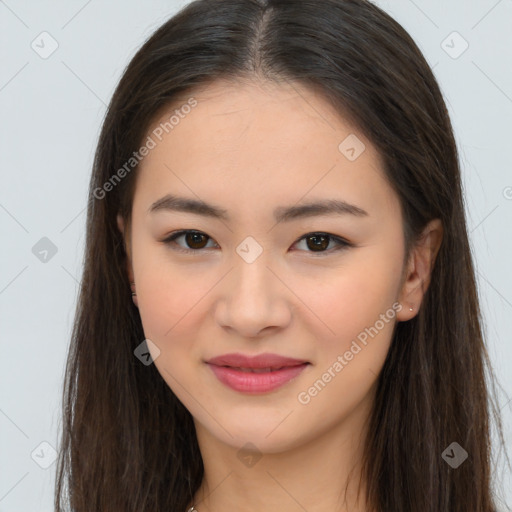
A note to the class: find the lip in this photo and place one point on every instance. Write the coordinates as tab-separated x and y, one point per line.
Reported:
234	370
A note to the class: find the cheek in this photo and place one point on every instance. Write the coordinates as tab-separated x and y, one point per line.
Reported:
168	293
355	307
356	294
170	301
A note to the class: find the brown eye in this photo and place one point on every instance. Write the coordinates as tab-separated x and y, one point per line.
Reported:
194	241
318	242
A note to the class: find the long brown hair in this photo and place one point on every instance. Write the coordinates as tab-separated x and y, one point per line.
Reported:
128	444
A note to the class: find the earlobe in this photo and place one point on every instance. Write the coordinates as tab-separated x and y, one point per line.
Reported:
419	272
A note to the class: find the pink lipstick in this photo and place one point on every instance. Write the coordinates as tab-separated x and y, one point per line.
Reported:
256	374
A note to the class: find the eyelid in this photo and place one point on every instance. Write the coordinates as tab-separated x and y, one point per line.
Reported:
342	242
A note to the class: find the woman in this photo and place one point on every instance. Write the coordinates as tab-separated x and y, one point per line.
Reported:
278	307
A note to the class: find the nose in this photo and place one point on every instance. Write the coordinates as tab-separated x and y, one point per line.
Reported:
253	300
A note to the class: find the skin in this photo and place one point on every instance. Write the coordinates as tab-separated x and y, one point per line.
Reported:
249	148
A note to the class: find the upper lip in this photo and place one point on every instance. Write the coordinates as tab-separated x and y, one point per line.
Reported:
259	361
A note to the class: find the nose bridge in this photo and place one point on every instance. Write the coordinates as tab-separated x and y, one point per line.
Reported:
253	297
252	280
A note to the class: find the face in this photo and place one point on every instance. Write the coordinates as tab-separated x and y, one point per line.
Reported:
321	287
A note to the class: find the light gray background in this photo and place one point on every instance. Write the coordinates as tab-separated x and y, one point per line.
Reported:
51	110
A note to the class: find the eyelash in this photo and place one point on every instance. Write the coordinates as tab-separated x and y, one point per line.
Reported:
342	244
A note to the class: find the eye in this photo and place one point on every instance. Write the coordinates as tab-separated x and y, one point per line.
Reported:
318	241
194	239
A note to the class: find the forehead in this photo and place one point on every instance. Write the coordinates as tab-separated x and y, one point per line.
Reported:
263	142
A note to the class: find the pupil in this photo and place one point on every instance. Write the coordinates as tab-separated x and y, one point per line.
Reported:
319	245
194	241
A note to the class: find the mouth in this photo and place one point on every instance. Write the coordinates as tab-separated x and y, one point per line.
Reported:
256	375
259	370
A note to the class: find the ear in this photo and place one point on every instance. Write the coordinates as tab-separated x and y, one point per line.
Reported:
127	246
419	270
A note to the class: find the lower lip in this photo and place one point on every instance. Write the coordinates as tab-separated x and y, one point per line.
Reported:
249	382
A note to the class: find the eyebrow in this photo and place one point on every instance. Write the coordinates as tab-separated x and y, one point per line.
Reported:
281	214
